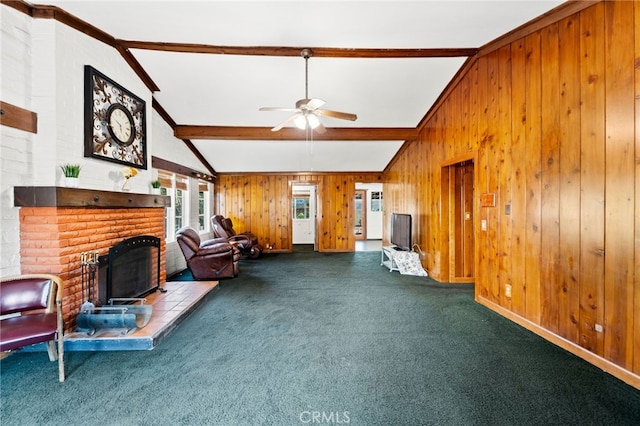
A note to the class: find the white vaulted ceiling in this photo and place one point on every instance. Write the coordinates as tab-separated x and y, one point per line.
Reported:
208	89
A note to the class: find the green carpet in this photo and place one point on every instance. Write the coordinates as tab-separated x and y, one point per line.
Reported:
311	338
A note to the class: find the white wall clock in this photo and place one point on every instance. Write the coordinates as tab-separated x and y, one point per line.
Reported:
115	122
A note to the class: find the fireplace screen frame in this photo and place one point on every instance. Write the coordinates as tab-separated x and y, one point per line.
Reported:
108	265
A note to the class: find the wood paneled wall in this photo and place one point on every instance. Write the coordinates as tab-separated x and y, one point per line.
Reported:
553	123
262	204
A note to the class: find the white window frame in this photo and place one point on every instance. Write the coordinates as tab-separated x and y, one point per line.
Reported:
170	212
204	215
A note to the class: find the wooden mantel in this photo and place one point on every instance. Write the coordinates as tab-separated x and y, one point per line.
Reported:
55	196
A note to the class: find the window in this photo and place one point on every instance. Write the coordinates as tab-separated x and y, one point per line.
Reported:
376	201
165	191
176	216
300	206
190	202
180	202
203	206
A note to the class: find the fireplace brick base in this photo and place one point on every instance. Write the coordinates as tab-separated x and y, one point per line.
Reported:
52	238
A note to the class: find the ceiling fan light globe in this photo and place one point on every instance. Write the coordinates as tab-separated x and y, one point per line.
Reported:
313	121
300	122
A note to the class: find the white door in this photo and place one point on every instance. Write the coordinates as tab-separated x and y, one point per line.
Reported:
304	214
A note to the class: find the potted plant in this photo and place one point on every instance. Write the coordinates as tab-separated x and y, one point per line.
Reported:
155	186
71	173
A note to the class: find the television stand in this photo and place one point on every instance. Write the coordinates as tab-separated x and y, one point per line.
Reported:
388	258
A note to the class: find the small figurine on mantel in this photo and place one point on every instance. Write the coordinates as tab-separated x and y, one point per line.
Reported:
128	173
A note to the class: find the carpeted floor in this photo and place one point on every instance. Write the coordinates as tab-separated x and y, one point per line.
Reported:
311	338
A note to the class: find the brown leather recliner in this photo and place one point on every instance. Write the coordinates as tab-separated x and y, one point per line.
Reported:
247	241
208	260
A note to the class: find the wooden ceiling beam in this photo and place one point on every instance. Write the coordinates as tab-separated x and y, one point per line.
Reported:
295	134
318	52
18	118
39	11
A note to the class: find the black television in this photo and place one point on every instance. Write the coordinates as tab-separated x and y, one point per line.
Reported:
401	231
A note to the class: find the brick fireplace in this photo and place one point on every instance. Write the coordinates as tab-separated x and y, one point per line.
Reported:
57	224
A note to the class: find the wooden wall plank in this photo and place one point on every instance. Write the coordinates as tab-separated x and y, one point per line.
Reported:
235	204
518	178
473	107
463	103
428	240
454	128
468	273
482	185
619	186
246	206
504	171
456	222
490	145
441	181
256	227
342	211
275	210
337	212
567	291
549	109
592	215
533	173
636	325
330	211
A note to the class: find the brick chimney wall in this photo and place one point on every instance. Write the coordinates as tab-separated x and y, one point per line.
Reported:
52	238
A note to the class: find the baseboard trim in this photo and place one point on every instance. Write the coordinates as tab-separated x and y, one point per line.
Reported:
607	366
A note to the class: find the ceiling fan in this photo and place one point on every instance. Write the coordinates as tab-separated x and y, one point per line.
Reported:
308	110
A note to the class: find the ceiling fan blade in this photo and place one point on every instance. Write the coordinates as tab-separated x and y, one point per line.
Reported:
315	103
336	114
279	109
285	122
309	104
320	129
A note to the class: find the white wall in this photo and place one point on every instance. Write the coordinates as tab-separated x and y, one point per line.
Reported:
374	219
167	147
43	71
15	145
